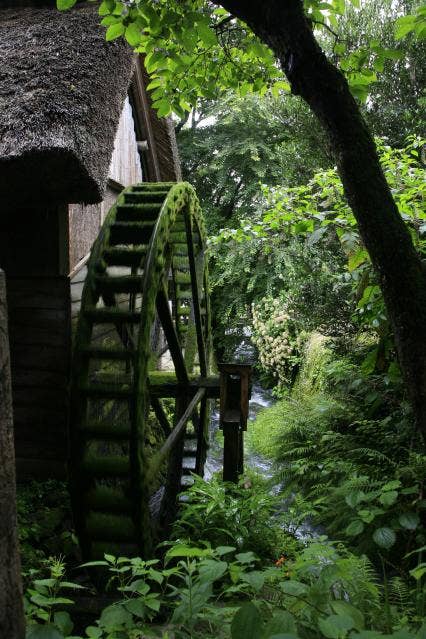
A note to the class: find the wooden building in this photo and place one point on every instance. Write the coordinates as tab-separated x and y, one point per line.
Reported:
76	127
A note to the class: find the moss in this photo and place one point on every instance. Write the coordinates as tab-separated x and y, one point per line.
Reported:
109	527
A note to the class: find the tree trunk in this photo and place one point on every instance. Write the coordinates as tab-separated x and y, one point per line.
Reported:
11	611
284	27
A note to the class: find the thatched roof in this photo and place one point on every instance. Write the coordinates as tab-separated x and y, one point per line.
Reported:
62	89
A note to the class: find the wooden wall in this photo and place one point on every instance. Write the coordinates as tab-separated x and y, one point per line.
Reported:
38	249
125	170
84	221
39	333
125	167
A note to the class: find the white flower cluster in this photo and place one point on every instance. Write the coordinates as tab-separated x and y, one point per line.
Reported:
275	339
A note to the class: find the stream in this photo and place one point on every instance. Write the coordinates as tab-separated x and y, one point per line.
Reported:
260	398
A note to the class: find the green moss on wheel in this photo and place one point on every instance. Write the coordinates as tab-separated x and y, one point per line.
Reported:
101	509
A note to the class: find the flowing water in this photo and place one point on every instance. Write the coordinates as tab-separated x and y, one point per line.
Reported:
260	398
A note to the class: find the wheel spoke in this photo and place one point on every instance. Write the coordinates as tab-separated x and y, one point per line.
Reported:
195	297
166	319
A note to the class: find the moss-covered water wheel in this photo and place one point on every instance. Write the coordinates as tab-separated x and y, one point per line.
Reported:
145	299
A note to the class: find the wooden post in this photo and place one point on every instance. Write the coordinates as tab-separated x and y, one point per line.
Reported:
232	462
234	398
12	623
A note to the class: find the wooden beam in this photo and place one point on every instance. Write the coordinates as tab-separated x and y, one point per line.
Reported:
11	611
161	415
174	436
175	389
195	297
166	319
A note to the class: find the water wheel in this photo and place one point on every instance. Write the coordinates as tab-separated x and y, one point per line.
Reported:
145	300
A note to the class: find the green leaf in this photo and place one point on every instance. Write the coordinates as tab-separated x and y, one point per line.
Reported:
224	550
207	36
295	588
336	626
355	528
356	259
418	571
114	31
63	621
63	5
354	498
133	34
187	551
45	582
367	516
47	631
344	608
246	623
211	570
404	26
388	498
136	607
114	617
245	557
369	364
153	602
255	579
93	632
391	485
409	520
71	584
384	537
106	7
279	86
281	622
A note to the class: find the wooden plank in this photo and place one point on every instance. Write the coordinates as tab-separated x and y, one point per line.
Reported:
161	415
27	468
38	420
195	297
166	319
11	612
174	389
24	334
39	357
41	448
39	397
37	293
125	166
174	436
231	452
31	378
40	352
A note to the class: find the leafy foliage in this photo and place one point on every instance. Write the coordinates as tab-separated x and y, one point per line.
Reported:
195	49
44	520
235	144
200	591
319	219
246	516
346	444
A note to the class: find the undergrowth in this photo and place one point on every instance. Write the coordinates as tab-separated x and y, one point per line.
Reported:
348	458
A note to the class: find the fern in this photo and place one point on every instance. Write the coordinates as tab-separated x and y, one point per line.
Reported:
401	597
